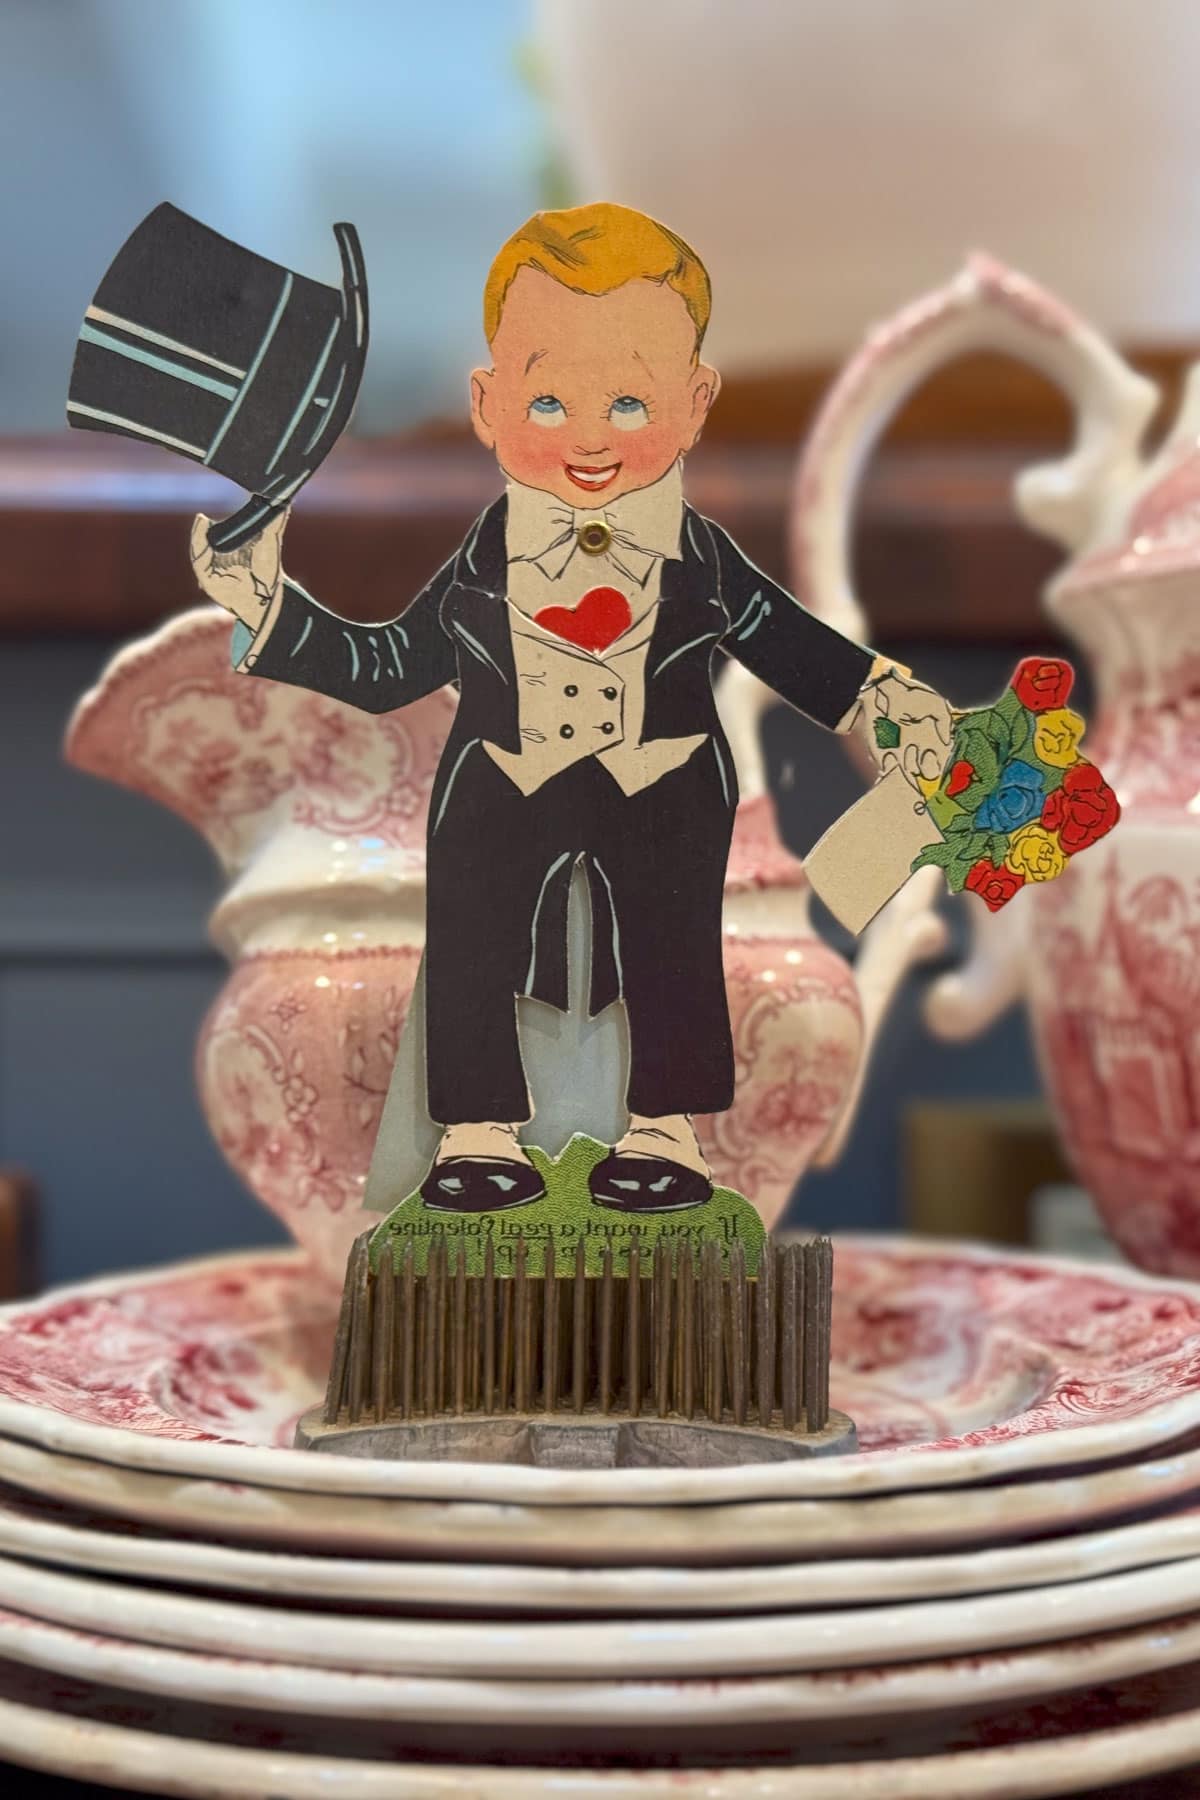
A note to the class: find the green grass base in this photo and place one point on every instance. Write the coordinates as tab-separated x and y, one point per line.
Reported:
564	1215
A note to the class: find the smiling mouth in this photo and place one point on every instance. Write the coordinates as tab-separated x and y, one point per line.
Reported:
593	479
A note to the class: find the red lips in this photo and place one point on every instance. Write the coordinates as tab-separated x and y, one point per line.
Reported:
598	621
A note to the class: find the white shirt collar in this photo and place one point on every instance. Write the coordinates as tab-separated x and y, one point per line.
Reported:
645	525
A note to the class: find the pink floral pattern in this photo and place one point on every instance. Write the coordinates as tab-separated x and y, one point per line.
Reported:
239	759
797	1037
293	1067
939	1348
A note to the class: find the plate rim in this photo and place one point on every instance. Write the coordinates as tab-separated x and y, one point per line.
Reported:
1009	1772
870	1472
596	1590
651	1651
267	1690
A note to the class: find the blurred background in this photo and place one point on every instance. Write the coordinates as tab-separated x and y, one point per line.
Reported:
830	160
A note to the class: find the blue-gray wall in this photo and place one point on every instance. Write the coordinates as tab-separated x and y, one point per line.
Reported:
268	119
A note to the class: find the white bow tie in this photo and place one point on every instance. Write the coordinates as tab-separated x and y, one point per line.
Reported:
644	529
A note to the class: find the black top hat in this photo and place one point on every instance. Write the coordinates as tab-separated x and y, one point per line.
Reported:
196	344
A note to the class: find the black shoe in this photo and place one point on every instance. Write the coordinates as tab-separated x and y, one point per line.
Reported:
477	1184
646	1184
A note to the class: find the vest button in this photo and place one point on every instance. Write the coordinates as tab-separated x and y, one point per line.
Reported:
610	693
570	692
566	731
608	728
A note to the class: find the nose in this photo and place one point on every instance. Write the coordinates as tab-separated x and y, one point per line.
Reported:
579	451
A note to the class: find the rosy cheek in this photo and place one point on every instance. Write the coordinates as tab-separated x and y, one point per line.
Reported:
527	451
649	452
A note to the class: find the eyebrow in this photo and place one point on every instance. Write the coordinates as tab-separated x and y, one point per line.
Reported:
536	357
638	357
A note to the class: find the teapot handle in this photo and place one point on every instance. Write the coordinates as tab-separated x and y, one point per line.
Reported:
984	307
1078	499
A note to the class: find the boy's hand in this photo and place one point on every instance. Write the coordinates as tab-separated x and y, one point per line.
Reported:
908	725
244	581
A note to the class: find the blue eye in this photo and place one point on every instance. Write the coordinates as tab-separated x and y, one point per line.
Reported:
547	409
628	412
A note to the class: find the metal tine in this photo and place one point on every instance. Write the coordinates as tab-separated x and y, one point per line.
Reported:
549	1326
789	1336
474	1342
633	1327
521	1299
488	1399
443	1327
687	1333
360	1335
738	1309
384	1347
459	1336
429	1322
579	1347
504	1364
764	1334
408	1329
714	1332
607	1300
810	1316
336	1384
823	1262
661	1322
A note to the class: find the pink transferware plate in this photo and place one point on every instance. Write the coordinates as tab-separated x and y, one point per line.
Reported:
1118	1730
958	1363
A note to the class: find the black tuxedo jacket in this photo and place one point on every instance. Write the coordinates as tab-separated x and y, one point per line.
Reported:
457	630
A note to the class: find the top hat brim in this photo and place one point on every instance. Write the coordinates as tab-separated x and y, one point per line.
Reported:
351	351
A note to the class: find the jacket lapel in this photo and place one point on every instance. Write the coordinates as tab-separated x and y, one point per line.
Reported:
690	608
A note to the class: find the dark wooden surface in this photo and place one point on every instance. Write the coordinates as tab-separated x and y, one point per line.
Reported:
18	1235
95	530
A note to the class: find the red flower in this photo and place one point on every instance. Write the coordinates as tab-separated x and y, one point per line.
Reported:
1042	683
961	776
1082	810
995	886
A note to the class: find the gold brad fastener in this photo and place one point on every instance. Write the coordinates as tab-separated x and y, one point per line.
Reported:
594	537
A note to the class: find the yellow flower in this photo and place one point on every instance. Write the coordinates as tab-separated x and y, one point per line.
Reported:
1056	737
1035	853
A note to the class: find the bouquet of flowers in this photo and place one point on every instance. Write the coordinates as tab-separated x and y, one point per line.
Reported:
1016	800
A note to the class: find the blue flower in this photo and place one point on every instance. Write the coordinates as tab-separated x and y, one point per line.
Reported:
1015	800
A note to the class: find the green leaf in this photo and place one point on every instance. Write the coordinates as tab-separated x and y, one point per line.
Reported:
887	734
976	747
942	810
1021	731
934	856
1008	706
996	848
956	874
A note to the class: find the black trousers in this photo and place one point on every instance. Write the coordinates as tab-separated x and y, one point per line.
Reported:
499	871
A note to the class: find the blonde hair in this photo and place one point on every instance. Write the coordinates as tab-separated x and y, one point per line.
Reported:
594	249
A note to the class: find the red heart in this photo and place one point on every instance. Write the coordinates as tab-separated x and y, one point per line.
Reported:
598	621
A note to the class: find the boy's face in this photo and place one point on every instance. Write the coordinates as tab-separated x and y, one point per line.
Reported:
591	396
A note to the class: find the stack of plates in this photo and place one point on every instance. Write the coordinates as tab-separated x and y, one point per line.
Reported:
1000	1595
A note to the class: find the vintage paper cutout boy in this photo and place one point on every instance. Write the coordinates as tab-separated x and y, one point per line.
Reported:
579	620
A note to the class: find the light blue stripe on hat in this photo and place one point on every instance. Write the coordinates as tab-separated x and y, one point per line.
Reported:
89	335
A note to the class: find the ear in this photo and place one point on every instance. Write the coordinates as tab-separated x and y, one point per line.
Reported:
706	385
481	391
